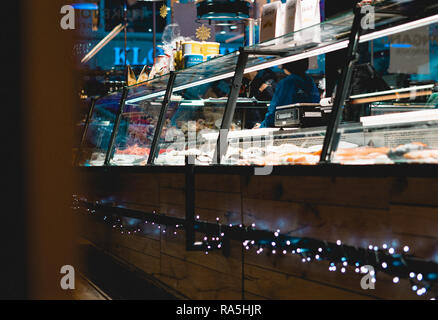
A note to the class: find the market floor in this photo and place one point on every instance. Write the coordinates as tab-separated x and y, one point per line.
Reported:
104	278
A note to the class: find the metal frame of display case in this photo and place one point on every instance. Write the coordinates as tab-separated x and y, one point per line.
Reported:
332	135
162	117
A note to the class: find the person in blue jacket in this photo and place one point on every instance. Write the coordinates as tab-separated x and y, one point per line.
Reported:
433	100
297	87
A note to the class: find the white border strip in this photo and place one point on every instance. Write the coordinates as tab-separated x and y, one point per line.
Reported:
399	118
410	89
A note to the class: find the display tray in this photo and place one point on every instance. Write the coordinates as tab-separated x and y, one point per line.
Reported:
128	160
358	145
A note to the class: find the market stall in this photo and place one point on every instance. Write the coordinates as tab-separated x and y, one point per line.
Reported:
182	189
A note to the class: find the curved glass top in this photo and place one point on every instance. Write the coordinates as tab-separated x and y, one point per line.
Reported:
328	36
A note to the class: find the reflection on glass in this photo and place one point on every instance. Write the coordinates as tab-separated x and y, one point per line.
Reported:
392	116
99	131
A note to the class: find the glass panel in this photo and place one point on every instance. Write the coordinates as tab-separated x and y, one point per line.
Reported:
193	113
138	123
147	90
392	115
293	127
99	130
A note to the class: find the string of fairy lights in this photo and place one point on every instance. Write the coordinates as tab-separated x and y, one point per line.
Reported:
398	263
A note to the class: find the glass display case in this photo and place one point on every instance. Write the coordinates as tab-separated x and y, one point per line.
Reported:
192	126
383	111
397	121
98	134
137	124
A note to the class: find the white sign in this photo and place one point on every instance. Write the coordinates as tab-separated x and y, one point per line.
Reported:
291	23
272	24
308	14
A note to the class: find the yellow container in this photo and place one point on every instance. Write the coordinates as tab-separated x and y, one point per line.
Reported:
210	48
191	47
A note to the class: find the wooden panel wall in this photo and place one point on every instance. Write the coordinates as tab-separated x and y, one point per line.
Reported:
357	211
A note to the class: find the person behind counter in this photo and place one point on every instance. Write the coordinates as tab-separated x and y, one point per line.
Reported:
259	85
433	100
297	87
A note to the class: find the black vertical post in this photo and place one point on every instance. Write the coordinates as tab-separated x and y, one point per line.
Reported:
190	204
15	268
332	136
85	131
154	29
109	152
162	117
221	147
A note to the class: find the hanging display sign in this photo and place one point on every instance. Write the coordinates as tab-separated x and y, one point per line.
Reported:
272	24
292	22
308	13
